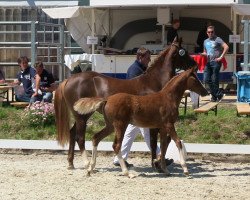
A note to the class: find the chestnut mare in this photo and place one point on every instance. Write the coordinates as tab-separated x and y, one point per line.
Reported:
93	84
121	109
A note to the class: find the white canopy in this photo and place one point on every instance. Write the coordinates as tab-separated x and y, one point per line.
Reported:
64	12
78	21
34	3
127	3
242	9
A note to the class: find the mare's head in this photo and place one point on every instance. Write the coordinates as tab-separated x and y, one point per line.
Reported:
174	57
180	57
194	84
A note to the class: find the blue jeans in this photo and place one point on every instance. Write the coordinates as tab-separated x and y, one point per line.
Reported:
23	97
46	97
211	77
36	98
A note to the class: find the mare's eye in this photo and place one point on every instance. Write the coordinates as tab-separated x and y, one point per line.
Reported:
182	52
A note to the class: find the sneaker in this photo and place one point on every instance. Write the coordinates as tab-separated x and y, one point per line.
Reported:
220	97
213	99
169	161
126	163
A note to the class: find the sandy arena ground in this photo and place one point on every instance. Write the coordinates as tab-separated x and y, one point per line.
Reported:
43	175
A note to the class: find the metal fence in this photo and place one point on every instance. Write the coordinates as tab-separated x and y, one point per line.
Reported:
39	41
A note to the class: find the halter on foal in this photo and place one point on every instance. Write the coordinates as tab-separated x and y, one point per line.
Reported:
121	109
93	84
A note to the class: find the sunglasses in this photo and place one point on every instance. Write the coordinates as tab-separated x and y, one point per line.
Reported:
210	32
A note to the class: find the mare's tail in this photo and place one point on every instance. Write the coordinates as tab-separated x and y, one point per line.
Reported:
62	115
88	105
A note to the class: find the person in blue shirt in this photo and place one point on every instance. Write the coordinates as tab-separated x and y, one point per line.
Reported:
44	84
139	66
24	77
215	49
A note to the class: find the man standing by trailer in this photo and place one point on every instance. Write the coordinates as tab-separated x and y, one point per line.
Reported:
215	49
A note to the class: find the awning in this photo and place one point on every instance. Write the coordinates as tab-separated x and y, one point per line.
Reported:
65	12
241	9
157	3
34	3
78	22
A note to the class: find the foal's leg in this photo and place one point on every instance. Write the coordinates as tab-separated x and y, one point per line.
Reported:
120	128
164	141
177	141
107	130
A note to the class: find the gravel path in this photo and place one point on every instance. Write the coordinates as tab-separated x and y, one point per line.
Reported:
45	176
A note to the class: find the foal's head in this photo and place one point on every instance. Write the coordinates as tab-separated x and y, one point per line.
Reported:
194	84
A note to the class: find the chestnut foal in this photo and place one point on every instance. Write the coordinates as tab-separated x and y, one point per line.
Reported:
157	110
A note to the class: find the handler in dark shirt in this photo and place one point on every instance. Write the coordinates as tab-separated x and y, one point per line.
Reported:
172	32
44	84
140	65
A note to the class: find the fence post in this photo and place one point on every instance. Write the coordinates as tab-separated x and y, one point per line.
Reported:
33	42
61	51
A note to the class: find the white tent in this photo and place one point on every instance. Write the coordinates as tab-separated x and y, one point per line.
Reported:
241	9
80	21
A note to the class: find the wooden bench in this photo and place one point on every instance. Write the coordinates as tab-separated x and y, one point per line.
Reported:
211	106
20	104
187	94
243	109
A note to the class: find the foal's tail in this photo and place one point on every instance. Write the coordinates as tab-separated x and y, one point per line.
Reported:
62	115
88	105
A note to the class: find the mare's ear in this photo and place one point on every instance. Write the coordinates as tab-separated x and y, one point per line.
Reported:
195	68
175	39
192	70
180	41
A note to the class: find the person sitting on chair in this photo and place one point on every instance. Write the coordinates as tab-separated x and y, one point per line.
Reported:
44	84
24	77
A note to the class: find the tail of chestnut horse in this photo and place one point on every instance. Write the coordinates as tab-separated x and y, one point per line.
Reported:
62	115
88	105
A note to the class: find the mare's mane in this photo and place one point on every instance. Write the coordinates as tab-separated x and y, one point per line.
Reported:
159	59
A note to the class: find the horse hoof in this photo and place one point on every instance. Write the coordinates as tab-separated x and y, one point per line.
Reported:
131	175
70	167
186	173
156	166
88	174
189	177
167	174
86	165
